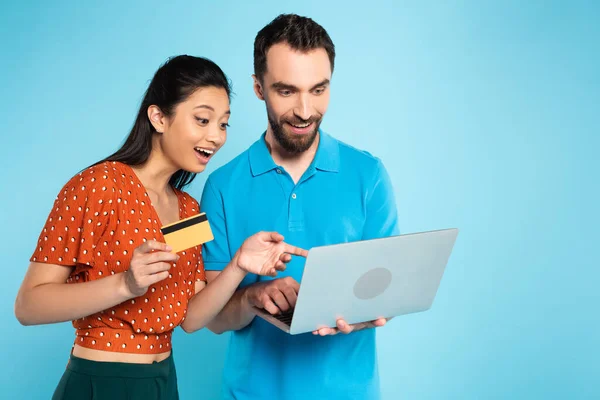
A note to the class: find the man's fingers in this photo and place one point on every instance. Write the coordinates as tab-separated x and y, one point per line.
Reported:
281	301
344	327
292	283
328	331
270	307
290	295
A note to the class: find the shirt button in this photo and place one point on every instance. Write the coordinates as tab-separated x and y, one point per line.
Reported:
294	196
278	171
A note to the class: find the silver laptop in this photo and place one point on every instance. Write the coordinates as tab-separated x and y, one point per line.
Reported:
366	280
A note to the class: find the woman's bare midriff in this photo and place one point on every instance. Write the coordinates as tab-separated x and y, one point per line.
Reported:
109	356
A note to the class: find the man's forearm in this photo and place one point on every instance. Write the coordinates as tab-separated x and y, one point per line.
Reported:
236	315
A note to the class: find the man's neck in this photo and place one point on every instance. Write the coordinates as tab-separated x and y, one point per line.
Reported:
295	164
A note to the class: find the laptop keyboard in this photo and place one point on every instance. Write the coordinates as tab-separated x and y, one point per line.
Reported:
285	317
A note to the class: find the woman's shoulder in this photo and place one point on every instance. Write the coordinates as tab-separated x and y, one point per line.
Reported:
105	173
99	180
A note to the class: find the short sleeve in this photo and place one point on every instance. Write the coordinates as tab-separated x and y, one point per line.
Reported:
216	252
382	214
78	218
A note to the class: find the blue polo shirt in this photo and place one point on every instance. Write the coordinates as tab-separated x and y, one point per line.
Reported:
345	195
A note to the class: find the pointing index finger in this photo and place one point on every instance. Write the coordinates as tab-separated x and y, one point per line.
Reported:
295	250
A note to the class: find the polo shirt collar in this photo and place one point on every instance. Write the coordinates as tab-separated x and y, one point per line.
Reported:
327	157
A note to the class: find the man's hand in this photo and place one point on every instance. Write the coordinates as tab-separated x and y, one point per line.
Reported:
344	327
273	296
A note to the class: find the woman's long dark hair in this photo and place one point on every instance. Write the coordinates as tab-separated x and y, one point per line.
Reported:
174	81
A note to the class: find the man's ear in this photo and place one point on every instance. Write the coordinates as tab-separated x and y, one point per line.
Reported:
258	89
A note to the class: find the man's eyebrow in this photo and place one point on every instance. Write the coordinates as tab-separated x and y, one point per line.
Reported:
324	82
283	86
287	86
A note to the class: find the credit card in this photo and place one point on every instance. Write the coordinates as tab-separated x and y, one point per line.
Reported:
187	233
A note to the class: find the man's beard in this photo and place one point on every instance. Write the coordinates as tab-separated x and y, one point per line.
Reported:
291	142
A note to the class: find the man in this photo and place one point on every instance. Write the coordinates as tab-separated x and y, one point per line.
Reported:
315	190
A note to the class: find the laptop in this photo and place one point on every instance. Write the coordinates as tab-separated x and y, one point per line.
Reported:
366	280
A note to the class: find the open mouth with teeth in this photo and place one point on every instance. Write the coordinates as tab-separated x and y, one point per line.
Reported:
204	154
302	128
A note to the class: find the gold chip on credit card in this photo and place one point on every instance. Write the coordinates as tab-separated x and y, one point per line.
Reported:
188	232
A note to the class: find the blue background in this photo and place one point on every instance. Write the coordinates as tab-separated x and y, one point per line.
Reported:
482	111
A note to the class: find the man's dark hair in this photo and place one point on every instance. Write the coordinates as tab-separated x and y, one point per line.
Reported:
300	33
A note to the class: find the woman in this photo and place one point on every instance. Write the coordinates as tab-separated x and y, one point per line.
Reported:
101	260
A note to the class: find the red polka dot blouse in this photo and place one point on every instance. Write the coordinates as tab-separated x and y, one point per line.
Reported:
100	216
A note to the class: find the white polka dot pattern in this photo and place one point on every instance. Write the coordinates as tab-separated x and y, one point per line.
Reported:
100	216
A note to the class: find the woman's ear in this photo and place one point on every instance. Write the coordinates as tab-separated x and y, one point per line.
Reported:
157	118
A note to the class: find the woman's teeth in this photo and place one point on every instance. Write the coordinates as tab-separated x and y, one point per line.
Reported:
204	152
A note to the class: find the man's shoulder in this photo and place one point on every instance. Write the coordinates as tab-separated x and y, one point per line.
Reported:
358	159
232	170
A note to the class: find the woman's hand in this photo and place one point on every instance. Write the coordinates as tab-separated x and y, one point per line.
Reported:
265	253
150	263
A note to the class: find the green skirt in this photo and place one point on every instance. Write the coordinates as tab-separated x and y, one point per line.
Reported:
85	379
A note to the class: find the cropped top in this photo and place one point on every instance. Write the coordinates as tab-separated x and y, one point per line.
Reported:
100	216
